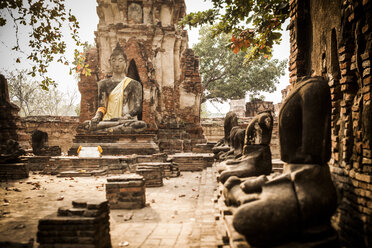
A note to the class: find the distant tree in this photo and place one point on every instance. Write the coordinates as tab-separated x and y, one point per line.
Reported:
253	25
33	100
226	76
204	113
77	109
43	19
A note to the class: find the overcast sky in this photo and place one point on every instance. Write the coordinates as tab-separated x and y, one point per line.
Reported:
85	11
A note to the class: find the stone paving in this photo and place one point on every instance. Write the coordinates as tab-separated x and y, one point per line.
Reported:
179	214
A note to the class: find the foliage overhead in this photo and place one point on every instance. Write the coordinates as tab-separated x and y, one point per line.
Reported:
46	19
33	100
226	76
80	59
254	25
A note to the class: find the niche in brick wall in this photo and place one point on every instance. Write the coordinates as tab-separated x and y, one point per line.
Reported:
133	74
135	13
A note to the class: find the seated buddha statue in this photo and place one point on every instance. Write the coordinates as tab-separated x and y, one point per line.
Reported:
119	100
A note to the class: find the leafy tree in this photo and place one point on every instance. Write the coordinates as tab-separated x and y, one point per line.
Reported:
226	76
44	19
79	61
253	24
33	100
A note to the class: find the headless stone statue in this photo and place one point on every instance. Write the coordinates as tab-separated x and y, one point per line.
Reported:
119	100
10	152
299	202
223	147
256	157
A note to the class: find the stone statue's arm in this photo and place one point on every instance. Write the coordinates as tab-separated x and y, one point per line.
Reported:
101	111
250	131
137	99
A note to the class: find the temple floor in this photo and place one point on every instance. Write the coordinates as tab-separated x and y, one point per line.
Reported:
179	214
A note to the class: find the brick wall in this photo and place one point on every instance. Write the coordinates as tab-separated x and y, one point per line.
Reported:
238	107
61	129
333	39
256	106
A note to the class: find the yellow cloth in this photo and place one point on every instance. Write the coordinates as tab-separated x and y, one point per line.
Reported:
115	102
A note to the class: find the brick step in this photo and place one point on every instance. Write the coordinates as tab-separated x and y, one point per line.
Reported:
13	171
77	173
193	161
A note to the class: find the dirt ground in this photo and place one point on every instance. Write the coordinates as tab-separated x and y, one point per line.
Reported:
179	214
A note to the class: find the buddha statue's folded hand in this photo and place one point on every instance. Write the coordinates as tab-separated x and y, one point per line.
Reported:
95	120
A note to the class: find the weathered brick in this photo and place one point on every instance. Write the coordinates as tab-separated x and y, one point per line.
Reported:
363	177
367	80
367	96
366	72
367	161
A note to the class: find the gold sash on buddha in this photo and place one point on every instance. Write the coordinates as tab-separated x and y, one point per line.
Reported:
115	101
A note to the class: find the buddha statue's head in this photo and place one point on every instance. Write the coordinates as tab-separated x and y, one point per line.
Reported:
118	60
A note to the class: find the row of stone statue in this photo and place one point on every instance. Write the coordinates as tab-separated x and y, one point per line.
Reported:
273	208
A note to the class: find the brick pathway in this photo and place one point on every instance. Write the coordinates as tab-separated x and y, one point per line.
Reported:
182	215
179	214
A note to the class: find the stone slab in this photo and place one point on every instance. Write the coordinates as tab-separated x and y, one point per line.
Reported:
126	178
82	173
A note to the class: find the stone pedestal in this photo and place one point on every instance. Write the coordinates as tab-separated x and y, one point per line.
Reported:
84	225
13	171
118	144
126	191
152	172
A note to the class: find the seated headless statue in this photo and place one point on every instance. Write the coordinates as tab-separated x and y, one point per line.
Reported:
236	142
256	156
10	152
222	148
119	100
278	208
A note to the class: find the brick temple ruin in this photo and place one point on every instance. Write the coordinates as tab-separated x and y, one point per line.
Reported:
159	58
180	205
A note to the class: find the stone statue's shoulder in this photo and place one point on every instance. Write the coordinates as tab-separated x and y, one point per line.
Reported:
103	81
135	82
